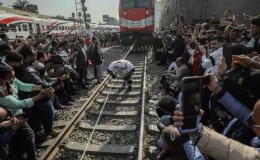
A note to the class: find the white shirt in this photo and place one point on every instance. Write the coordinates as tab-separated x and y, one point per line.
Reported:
207	64
64	55
172	66
125	67
84	52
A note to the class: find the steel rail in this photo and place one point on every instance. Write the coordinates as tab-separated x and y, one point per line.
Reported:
142	130
52	150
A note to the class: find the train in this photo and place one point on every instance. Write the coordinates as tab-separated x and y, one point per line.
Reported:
136	21
16	25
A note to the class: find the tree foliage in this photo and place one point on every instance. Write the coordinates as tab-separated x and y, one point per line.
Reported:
21	5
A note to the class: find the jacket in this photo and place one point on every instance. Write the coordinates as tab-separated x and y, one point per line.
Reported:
192	151
90	51
81	58
179	74
211	63
32	76
222	148
97	57
242	132
179	47
157	44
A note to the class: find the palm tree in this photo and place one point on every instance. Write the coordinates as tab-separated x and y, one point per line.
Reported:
21	5
1	4
59	17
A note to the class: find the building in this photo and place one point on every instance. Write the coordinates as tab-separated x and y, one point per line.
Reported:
193	10
163	3
112	21
157	14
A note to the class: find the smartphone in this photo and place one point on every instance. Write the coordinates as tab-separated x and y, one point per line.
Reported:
8	88
227	54
23	116
190	102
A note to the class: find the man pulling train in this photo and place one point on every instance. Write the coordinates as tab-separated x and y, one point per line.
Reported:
122	69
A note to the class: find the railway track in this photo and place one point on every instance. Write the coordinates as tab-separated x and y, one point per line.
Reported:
110	123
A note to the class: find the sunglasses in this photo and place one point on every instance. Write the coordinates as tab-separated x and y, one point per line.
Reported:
250	122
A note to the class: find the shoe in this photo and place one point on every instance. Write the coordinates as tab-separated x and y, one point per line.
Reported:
67	103
57	104
123	85
54	133
71	99
88	83
74	93
40	137
56	116
129	88
84	87
99	82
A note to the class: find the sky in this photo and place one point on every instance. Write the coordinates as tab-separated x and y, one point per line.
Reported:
96	8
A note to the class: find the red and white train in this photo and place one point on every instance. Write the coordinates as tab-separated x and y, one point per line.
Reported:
136	21
17	25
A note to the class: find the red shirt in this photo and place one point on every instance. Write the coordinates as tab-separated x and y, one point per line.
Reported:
88	41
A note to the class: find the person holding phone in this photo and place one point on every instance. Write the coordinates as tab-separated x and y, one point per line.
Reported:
11	128
230	148
210	63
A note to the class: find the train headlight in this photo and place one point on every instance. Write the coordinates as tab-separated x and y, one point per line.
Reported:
147	12
125	13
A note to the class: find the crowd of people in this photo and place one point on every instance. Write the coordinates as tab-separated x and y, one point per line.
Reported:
37	77
230	106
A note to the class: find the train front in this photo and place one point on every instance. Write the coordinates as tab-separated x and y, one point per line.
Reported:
136	22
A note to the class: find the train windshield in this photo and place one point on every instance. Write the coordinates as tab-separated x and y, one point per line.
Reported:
136	3
144	3
128	3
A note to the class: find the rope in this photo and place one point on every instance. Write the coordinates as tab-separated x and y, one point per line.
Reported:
94	128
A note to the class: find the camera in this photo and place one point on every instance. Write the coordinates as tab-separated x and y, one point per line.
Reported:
167	86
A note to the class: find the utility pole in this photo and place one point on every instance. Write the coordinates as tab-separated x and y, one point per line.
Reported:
84	12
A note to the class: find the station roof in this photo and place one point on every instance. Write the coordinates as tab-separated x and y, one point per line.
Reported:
23	13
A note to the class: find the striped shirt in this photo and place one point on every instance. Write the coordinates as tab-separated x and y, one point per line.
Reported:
12	102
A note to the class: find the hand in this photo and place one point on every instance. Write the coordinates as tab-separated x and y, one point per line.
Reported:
5	92
24	42
46	92
213	85
222	67
48	66
61	84
64	77
18	124
51	72
75	53
256	58
188	47
178	117
7	124
203	50
242	60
